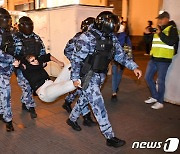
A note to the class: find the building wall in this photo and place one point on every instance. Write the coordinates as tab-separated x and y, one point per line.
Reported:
9	4
53	3
94	2
140	12
117	4
172	83
124	9
173	10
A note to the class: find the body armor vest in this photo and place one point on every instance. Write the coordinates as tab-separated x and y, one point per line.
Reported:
30	46
98	62
103	55
7	44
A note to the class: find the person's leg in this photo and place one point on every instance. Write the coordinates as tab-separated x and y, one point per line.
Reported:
69	99
6	101
148	48
149	77
64	75
162	71
97	104
114	78
50	91
1	108
80	105
94	97
1	101
75	113
27	99
86	113
72	95
114	82
27	96
119	76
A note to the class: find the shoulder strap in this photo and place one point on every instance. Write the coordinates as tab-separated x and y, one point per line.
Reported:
95	34
19	35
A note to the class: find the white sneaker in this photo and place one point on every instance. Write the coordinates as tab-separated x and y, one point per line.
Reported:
150	100
157	106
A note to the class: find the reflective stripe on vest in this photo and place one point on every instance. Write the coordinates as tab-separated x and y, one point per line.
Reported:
159	48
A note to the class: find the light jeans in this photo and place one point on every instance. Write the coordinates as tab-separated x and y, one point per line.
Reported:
50	90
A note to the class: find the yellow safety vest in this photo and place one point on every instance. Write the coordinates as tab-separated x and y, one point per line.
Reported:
160	49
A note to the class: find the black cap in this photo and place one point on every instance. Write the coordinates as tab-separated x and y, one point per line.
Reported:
163	15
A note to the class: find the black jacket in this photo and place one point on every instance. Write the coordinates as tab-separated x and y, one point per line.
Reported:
172	39
36	74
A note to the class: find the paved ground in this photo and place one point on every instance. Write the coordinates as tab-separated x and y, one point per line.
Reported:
131	119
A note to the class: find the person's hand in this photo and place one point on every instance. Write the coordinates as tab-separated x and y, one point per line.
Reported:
61	64
138	73
147	31
77	83
16	63
24	66
158	30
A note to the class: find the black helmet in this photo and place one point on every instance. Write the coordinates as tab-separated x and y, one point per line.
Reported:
26	25
5	19
105	22
86	23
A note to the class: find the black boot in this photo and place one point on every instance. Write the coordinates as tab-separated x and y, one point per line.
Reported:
9	126
114	98
33	113
67	106
1	116
115	142
74	125
24	107
88	120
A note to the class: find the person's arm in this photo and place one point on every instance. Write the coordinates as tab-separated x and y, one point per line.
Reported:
16	63
6	58
170	39
61	64
69	49
123	59
18	46
82	49
48	57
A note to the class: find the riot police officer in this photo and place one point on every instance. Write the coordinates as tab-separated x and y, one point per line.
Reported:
6	68
94	50
27	42
68	52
